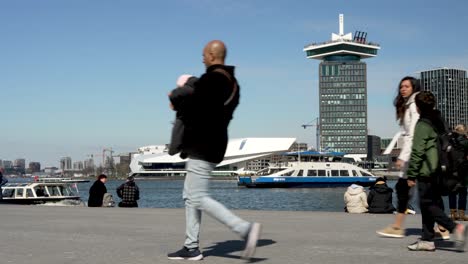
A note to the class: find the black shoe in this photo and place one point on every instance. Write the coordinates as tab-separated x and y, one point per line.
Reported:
185	253
251	240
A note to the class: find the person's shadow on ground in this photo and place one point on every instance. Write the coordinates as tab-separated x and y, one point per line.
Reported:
224	249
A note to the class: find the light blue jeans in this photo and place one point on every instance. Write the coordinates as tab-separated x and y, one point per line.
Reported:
197	199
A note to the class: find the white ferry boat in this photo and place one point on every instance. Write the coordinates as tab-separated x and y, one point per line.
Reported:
41	191
309	174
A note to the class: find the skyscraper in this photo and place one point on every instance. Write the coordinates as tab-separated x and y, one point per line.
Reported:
450	87
343	89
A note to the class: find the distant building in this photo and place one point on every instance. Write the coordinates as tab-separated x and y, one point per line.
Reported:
7	164
343	90
20	164
373	147
34	167
66	163
450	87
78	166
89	164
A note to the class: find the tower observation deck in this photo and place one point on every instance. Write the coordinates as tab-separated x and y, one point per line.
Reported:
343	89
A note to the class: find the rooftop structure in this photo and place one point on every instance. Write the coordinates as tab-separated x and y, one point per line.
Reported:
343	44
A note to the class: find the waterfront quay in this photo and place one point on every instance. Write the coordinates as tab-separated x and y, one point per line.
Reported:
68	235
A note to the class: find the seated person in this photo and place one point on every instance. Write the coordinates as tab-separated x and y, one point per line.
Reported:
380	198
355	199
40	192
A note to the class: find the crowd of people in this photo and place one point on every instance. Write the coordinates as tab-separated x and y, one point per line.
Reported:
421	127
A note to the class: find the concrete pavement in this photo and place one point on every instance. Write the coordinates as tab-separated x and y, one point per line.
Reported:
68	235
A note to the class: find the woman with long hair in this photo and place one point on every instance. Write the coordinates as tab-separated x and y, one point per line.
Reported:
407	116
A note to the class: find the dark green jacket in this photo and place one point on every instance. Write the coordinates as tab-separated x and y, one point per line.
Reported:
424	158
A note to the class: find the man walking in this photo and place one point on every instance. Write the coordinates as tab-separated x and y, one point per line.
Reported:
209	110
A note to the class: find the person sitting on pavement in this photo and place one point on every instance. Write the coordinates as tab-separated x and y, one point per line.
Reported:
97	191
380	198
355	199
129	193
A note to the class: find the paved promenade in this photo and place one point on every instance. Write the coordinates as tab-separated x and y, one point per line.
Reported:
67	235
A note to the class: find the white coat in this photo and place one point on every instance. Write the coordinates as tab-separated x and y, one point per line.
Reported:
355	199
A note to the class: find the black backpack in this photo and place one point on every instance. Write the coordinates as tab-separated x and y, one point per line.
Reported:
452	171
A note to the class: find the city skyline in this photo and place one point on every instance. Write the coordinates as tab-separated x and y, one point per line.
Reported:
83	76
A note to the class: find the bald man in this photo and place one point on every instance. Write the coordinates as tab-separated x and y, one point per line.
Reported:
207	113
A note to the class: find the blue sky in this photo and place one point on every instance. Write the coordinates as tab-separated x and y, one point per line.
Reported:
78	76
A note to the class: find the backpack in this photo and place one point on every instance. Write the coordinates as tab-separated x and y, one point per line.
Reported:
452	169
108	200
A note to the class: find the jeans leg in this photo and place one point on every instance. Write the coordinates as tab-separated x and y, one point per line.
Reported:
197	199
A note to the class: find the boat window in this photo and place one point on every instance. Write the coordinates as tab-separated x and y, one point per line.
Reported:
53	190
65	190
344	173
321	173
355	173
289	173
29	193
8	192
19	193
334	173
300	173
311	173
365	174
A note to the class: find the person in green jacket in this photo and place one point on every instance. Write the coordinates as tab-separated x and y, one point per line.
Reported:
423	166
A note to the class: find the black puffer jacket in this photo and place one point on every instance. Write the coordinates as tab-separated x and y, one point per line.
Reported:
206	117
96	194
380	199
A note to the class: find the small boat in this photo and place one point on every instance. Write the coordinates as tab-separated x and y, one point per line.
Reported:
308	174
41	191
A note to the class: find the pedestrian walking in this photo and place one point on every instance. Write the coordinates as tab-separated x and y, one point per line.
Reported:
407	116
207	113
424	168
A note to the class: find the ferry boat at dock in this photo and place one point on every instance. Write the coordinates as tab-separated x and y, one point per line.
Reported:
41	191
308	174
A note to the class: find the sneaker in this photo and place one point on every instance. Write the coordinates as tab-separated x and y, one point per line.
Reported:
187	254
422	245
251	240
441	234
459	235
391	231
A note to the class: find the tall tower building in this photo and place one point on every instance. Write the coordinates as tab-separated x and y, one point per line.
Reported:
450	87
343	89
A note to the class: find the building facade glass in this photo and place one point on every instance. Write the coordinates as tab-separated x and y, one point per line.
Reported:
450	87
343	105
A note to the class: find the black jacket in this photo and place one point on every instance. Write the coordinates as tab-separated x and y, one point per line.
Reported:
205	115
380	199
96	193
